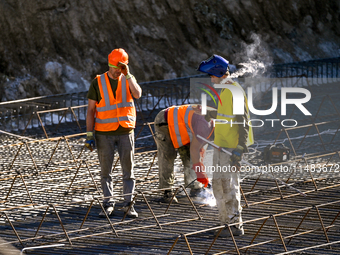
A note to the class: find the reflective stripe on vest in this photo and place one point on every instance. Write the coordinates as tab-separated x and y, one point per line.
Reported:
113	120
109	107
113	111
180	116
226	116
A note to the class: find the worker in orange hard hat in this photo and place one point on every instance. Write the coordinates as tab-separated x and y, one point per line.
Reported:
116	56
111	113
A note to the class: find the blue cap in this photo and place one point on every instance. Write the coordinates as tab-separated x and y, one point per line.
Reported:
215	65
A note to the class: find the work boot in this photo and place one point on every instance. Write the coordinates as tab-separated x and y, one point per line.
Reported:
236	231
108	209
132	212
167	197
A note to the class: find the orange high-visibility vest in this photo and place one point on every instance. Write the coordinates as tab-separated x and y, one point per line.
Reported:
112	112
179	123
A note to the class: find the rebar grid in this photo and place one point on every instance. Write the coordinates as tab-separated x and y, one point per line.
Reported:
78	164
66	194
263	194
91	202
284	230
77	159
293	220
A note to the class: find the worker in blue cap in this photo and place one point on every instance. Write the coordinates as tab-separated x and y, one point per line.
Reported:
234	138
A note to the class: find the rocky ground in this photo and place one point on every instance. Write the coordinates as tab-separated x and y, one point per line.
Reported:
51	47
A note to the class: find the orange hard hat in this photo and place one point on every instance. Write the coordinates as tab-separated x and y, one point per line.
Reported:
118	55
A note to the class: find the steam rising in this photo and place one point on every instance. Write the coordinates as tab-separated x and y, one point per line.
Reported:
255	59
253	67
211	201
208	197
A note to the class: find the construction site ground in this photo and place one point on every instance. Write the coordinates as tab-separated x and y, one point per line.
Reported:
51	196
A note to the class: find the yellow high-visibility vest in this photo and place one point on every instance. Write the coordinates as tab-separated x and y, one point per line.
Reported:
227	135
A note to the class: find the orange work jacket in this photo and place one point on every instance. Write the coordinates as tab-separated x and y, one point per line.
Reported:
179	123
112	112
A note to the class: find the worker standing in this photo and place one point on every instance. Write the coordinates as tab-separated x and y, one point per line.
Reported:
111	113
175	129
234	138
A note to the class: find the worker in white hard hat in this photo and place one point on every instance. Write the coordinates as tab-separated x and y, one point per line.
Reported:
234	138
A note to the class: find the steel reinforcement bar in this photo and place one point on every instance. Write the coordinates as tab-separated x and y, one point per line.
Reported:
283	227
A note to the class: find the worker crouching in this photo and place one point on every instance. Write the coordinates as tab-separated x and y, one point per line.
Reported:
175	130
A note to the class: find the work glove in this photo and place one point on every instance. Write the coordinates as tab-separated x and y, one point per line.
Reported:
125	70
237	153
89	143
201	175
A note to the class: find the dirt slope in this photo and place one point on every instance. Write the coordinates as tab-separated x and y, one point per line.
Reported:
54	46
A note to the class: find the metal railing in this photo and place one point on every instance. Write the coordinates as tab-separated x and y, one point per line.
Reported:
21	114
